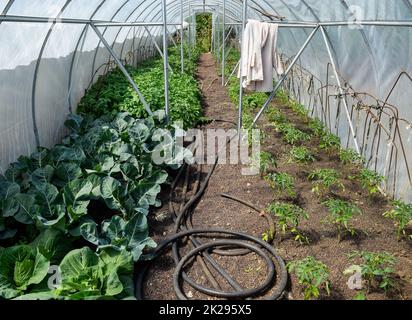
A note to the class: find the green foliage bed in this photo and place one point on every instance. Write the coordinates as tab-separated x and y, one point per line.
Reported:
204	31
94	190
113	93
80	209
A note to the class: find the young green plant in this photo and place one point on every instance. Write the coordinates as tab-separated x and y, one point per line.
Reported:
300	155
283	97
317	127
325	180
289	217
370	181
291	135
349	156
377	269
263	162
299	109
282	182
329	142
401	214
275	116
313	275
341	214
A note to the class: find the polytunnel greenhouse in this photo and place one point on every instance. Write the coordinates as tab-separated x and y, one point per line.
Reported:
205	150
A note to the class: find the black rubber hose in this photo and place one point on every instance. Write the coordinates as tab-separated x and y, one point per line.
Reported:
220	294
178	227
209	275
282	275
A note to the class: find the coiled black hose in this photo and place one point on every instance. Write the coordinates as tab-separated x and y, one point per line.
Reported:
276	279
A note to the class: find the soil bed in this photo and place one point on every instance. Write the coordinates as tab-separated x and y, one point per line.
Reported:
374	232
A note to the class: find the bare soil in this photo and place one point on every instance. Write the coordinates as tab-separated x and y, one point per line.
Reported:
374	232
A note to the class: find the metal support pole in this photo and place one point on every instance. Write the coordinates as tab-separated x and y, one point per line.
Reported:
240	115
122	68
212	45
218	36
342	93
189	34
134	24
190	26
166	60
223	42
182	40
279	84
134	46
291	24
194	29
157	46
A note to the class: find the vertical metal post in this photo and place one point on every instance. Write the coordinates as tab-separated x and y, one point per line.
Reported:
190	26
134	46
166	60
122	68
240	117
279	84
342	93
218	35
182	40
213	34
194	28
223	42
190	32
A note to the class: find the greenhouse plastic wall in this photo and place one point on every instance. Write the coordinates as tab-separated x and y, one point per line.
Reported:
45	68
372	60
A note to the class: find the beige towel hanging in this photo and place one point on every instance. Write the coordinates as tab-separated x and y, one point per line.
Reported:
259	56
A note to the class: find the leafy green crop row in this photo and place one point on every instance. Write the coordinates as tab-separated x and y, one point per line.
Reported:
112	93
94	190
79	209
204	31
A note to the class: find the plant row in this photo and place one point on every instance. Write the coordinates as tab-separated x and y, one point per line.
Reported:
112	92
73	218
372	271
93	191
326	182
375	269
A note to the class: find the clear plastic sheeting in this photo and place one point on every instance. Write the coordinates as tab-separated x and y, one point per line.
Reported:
3	4
44	8
46	67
